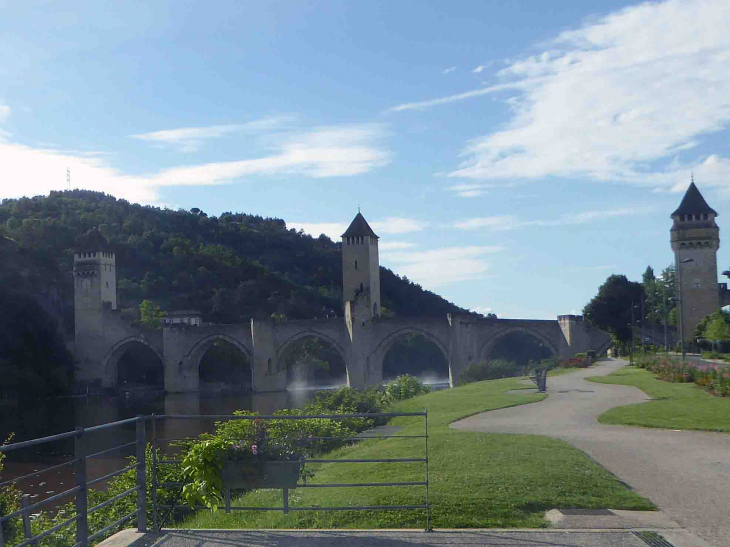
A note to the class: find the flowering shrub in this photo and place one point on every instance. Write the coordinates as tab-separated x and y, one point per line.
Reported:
713	378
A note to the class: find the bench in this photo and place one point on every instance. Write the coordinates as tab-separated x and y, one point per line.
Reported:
539	378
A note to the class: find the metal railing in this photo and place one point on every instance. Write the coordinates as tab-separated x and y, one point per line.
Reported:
82	455
285	507
80	490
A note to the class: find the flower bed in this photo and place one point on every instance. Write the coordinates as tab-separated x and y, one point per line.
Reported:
713	377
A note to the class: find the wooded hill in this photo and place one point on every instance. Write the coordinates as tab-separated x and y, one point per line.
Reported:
231	268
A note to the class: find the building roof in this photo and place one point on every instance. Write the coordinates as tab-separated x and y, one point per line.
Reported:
91	241
359	227
693	203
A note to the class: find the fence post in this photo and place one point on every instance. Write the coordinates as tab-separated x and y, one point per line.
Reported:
141	476
82	524
24	503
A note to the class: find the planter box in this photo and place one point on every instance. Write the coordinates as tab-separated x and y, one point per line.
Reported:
275	474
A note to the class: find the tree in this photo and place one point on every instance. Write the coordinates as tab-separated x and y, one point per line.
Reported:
610	309
718	329
150	315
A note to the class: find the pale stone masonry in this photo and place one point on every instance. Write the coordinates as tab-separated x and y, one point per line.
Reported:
695	239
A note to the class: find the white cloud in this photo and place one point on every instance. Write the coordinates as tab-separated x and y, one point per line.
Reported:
617	99
396	225
395	245
482	309
448	70
321	152
511	222
190	139
4	112
443	266
423	105
333	230
389	226
481	68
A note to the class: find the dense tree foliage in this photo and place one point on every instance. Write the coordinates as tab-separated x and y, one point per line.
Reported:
231	268
610	309
33	356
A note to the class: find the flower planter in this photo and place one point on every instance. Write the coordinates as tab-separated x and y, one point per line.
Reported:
274	474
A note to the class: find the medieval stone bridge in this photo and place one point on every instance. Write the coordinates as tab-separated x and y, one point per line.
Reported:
461	338
362	337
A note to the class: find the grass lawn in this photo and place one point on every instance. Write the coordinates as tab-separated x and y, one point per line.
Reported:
677	406
476	479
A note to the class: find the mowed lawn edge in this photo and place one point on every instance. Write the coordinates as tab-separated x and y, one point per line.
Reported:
673	406
476	479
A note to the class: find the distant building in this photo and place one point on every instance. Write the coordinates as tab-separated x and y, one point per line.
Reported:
185	317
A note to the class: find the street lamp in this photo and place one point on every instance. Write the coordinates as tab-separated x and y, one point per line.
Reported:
681	305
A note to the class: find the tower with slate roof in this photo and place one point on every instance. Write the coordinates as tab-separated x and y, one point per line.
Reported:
695	239
361	269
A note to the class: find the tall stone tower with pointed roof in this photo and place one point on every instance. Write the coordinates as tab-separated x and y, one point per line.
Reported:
695	239
95	287
361	269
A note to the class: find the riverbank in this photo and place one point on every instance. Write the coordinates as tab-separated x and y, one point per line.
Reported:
476	479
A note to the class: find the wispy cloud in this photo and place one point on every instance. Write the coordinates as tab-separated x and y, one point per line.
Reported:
448	70
397	225
443	266
617	99
4	112
511	222
592	268
385	226
337	151
190	139
481	68
395	245
423	105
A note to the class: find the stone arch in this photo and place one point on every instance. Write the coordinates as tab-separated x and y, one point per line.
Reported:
487	345
283	348
374	372
195	355
111	359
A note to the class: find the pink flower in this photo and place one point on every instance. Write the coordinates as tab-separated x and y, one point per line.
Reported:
254	449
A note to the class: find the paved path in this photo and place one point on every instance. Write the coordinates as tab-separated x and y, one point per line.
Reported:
685	473
373	538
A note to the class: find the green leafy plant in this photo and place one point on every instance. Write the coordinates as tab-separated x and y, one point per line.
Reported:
405	387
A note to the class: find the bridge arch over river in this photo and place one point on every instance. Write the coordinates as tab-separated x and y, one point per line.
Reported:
362	337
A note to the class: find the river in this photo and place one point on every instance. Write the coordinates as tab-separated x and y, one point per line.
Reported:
33	419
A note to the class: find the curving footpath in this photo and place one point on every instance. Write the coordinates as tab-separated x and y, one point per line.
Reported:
685	473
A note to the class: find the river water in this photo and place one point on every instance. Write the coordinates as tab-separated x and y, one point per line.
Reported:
33	419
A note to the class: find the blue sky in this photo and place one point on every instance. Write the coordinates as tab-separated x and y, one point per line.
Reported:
511	155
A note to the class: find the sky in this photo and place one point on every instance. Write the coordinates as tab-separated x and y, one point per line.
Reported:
510	155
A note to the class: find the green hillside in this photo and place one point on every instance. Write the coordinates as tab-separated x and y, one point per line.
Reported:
231	268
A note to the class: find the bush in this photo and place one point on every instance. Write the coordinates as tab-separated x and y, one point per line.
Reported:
405	387
488	370
9	502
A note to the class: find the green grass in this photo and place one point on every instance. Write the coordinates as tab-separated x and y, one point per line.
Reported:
476	479
676	406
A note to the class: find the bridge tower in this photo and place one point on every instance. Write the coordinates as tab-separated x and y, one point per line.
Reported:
361	269
695	239
95	288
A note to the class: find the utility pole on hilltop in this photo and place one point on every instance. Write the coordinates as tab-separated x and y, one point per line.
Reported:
68	178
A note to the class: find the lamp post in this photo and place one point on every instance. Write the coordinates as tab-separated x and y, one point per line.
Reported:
681	304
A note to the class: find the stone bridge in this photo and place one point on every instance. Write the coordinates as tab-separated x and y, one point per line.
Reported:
363	346
362	338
